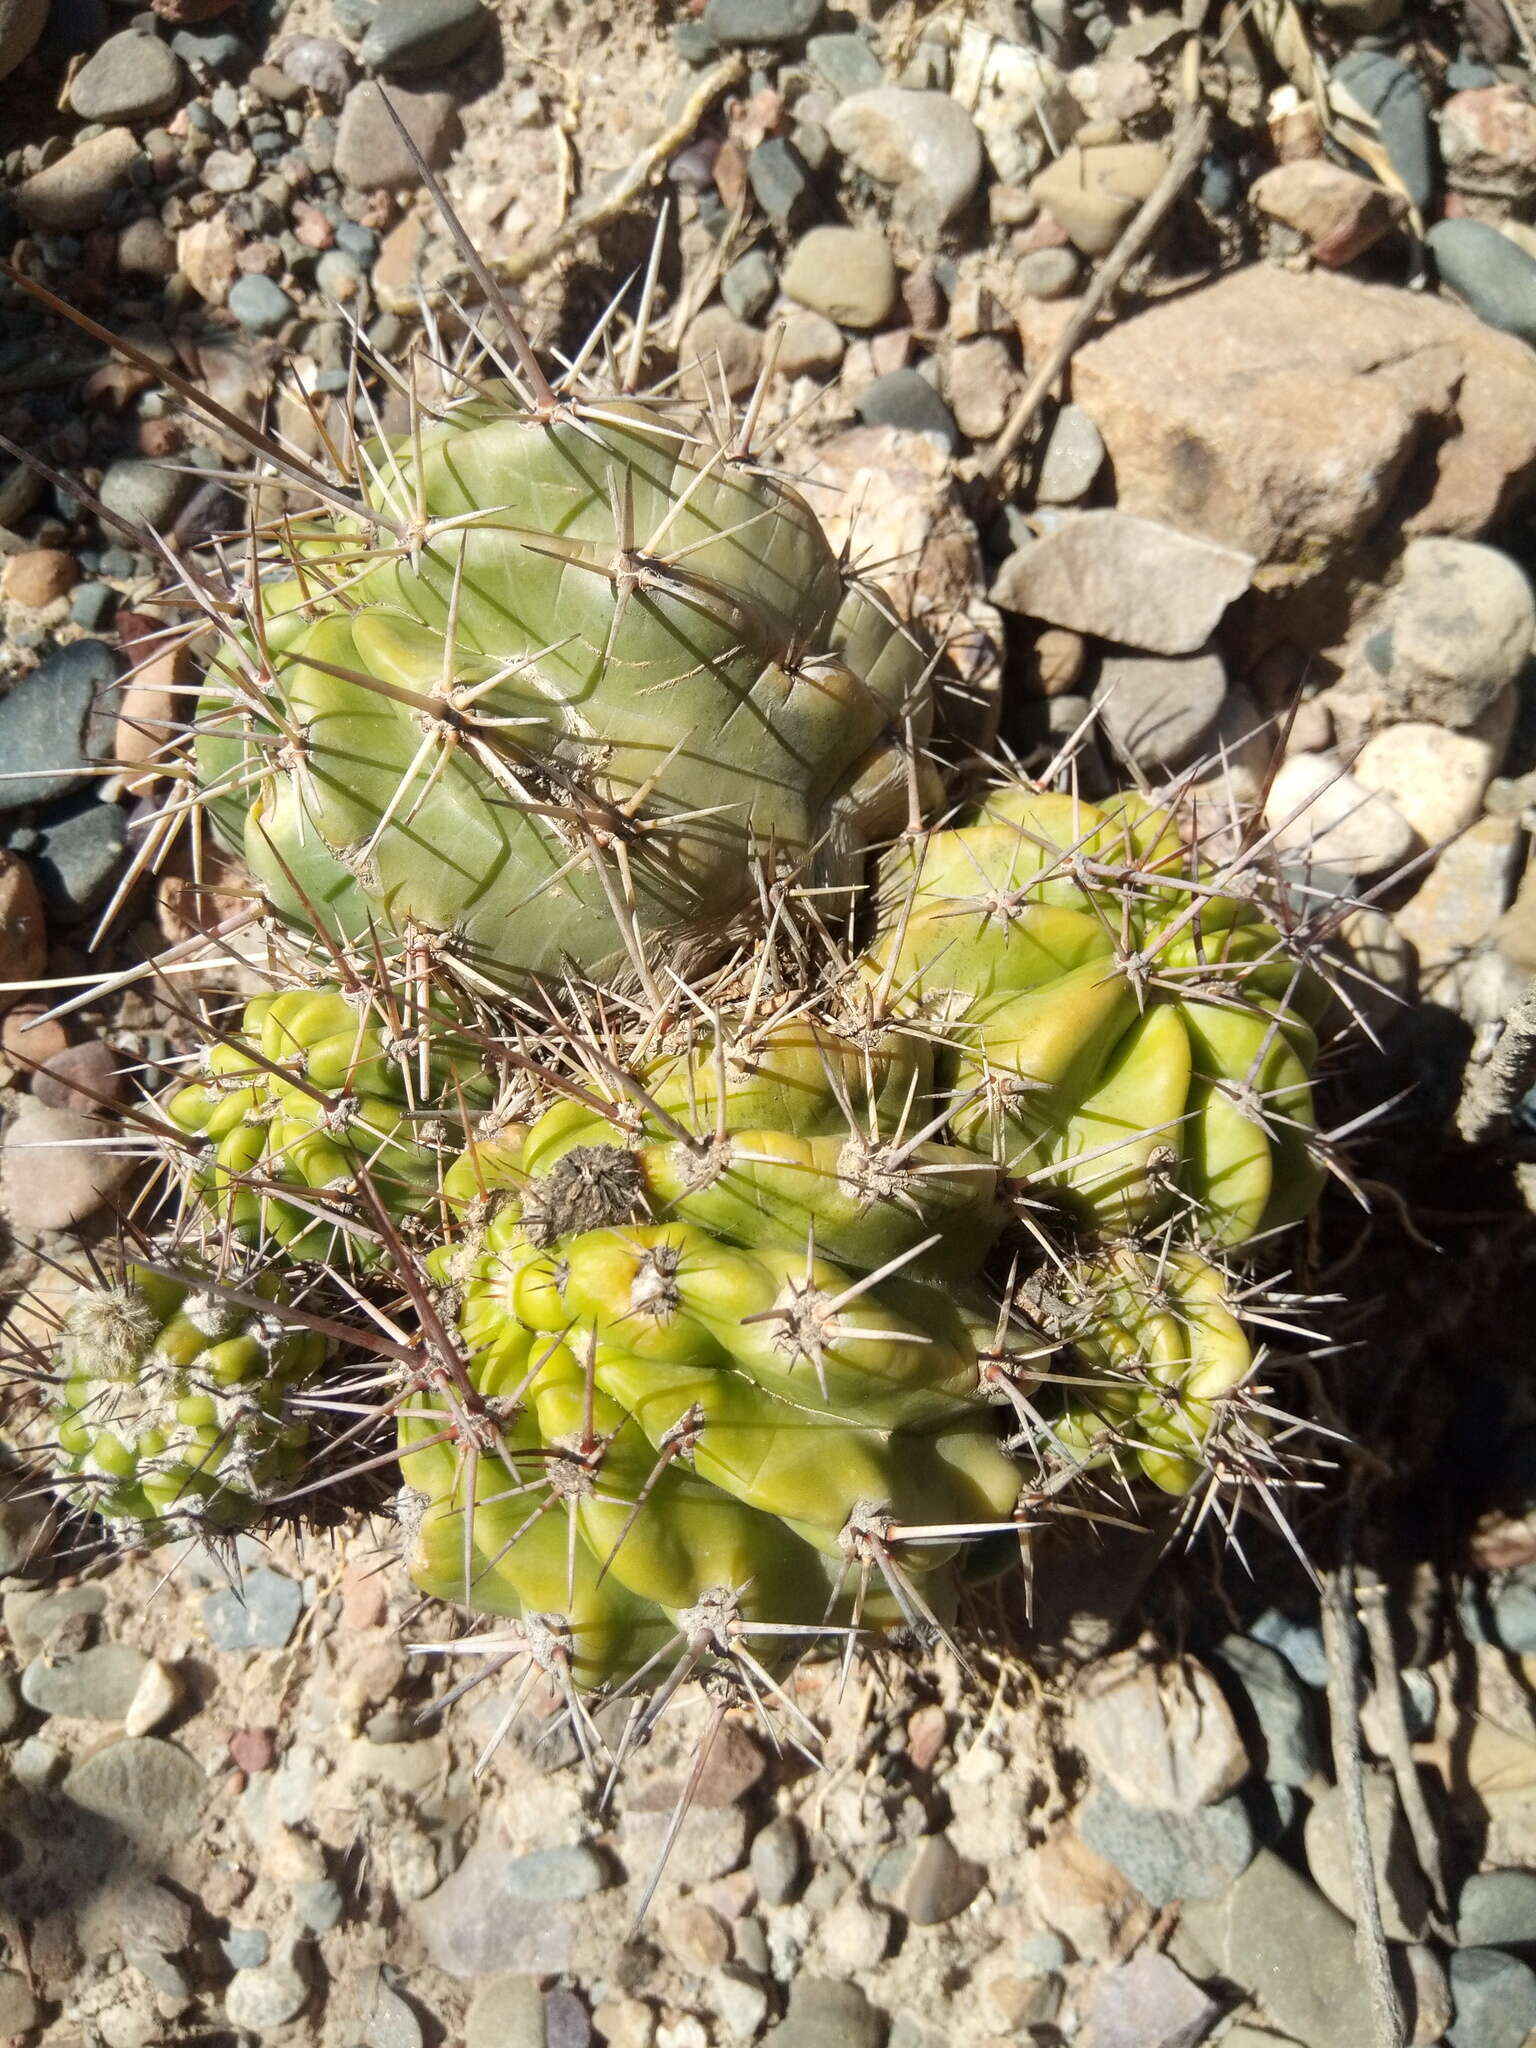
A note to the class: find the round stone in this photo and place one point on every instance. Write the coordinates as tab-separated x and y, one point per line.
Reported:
848	274
132	77
260	306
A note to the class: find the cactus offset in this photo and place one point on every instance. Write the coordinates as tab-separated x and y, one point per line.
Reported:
176	1406
1126	1029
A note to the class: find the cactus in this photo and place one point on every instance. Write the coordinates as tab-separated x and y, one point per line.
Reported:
735	1373
558	689
175	1409
1126	1029
312	1091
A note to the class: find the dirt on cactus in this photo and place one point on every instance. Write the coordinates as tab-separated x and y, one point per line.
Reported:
233	1802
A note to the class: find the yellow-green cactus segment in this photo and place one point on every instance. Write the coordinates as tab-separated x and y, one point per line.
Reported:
306	1095
1123	1031
605	631
175	1407
1159	1337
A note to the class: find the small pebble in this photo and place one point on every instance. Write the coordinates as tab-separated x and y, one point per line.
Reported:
260	306
420	35
1495	1999
130	78
761	21
1497	1909
245	1948
269	1996
260	1614
902	398
777	1860
847	273
155	1699
748	286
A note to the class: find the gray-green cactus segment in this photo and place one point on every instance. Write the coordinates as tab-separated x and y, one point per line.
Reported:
615	673
176	1406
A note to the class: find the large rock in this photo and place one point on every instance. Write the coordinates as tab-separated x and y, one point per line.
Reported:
1135	581
1275	1937
1297	416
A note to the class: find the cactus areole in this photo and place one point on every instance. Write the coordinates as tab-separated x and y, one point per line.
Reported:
564	691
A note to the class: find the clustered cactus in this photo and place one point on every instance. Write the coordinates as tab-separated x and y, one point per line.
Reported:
751	1246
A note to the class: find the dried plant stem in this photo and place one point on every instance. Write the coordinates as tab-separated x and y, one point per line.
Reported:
1394	1730
1186	156
1491	1091
1341	1644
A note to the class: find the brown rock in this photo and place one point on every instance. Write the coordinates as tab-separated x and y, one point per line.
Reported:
86	1078
207	255
145	249
369	150
1488	142
981	385
1282	413
23	932
1052	663
1340	215
71	193
1082	1897
718	348
147	707
39	576
1093	193
56	1169
26	1041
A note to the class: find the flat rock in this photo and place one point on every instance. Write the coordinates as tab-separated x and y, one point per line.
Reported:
1161	711
1435	779
1400	1884
1169	1856
56	1170
72	193
151	1790
1340	215
1150	2003
261	1613
21	23
1276	1938
1161	1734
1094	192
98	1684
506	2012
130	77
49	723
75	849
1319	813
417	35
762	21
923	143
271	1995
848	274
1071	459
369	150
1281	413
478	1923
1127	579
826	2015
939	1883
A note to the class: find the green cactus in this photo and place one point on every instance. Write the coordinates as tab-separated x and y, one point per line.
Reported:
563	688
175	1410
311	1090
739	1364
1124	1030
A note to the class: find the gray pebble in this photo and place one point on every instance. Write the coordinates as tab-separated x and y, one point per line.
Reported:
144	493
902	398
94	1685
389	2020
547	1876
1495	276
781	182
245	1948
1497	1909
506	2012
1389	92
1274	1709
761	21
1495	1999
1073	457
91	604
48	723
1300	1643
740	2000
260	306
130	78
846	61
1169	1856
150	1789
209	50
826	2015
1041	1954
777	1860
37	1763
1160	710
319	63
76	849
260	1614
749	285
567	2023
339	276
694	44
227	171
10	1704
1464	77
939	1884
270	1996
418	35
318	1903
